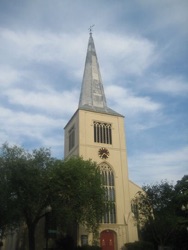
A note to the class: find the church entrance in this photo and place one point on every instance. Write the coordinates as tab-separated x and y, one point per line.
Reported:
108	240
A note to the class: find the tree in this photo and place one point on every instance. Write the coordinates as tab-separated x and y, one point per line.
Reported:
79	192
27	178
6	204
181	201
181	189
36	180
157	212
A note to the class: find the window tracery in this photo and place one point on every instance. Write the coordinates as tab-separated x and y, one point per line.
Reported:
102	132
108	183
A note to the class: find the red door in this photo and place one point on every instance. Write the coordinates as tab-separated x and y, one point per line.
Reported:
107	240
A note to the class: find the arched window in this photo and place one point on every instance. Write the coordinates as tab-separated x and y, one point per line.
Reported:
102	132
108	183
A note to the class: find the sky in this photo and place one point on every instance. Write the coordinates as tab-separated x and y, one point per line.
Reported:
142	48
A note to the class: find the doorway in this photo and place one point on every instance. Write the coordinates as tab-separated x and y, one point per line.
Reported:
108	240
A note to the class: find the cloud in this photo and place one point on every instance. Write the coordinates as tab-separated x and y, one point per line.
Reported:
125	99
9	76
172	86
141	48
172	13
151	167
68	50
48	101
152	17
133	54
19	127
21	120
43	47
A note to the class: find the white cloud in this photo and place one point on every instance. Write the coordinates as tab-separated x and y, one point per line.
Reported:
9	76
48	100
152	167
20	120
165	14
124	99
44	47
16	126
41	56
133	54
173	86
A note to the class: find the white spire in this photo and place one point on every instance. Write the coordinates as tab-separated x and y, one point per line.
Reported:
92	95
92	92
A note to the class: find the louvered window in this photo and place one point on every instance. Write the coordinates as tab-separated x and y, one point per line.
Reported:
102	132
71	137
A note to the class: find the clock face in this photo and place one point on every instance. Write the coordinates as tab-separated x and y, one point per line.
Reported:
103	153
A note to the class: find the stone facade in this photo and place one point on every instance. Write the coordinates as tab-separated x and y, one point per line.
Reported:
108	137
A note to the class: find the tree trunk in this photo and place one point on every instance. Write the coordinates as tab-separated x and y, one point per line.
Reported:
31	236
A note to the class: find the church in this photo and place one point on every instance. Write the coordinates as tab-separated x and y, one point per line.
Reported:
96	132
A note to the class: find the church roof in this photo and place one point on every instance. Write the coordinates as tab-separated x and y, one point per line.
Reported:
92	96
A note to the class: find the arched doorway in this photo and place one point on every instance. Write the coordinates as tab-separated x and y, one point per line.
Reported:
108	240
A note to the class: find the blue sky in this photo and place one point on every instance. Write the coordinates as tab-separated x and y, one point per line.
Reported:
142	48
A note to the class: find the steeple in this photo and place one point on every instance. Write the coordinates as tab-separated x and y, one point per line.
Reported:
92	96
92	92
97	132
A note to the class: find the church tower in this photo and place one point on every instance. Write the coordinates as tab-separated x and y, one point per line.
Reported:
97	132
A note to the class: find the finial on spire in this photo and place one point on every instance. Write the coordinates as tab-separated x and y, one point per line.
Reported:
91	29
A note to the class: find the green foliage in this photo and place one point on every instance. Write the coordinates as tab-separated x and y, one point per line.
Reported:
181	189
79	196
181	201
139	245
5	203
30	182
26	178
159	211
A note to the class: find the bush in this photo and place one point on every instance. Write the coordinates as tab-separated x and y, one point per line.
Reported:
139	245
65	243
88	248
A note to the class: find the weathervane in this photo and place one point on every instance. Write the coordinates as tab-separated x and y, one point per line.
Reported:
91	29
